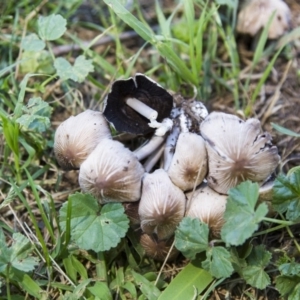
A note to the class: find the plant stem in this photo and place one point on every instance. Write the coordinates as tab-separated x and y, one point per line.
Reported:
291	235
282	222
101	267
7	283
269	230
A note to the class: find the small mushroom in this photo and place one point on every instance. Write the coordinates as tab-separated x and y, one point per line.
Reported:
158	249
237	151
255	14
209	207
132	103
162	205
111	173
189	163
78	136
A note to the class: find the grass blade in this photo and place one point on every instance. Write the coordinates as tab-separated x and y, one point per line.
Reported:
184	284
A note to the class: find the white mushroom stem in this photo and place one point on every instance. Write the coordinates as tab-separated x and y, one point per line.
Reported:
165	126
153	159
149	148
170	147
142	109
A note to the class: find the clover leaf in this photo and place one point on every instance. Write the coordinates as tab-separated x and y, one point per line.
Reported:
254	273
191	237
78	72
94	227
17	255
218	262
287	195
36	115
51	27
241	216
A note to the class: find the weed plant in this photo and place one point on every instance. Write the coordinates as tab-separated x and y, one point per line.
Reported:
56	243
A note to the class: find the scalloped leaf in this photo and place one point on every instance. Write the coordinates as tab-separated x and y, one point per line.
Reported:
94	227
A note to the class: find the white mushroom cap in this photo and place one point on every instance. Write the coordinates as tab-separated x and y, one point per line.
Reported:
237	151
255	15
189	163
209	207
162	204
111	173
78	136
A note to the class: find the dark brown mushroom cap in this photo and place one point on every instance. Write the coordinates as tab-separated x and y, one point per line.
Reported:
158	249
126	119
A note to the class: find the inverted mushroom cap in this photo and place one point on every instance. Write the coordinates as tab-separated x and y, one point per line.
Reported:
126	119
209	207
162	205
189	163
237	151
158	249
255	15
77	137
111	173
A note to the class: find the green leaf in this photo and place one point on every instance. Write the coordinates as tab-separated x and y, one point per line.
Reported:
288	286
101	290
149	290
241	217
51	27
36	115
256	277
287	195
78	72
93	227
218	262
17	255
291	268
32	43
191	237
254	273
184	284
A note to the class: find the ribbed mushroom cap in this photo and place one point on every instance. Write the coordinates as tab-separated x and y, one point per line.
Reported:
209	207
162	205
158	249
237	151
111	173
77	137
255	15
126	119
189	163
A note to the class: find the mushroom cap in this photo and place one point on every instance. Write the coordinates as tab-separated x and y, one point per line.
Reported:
132	212
162	204
209	207
255	15
158	249
78	136
126	119
111	173
189	163
237	151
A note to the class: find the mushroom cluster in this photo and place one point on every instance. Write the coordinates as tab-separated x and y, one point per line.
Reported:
184	166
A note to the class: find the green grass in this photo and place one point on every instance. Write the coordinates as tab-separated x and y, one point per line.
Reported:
193	50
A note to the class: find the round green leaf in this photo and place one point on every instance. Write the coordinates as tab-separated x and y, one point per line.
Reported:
93	227
51	27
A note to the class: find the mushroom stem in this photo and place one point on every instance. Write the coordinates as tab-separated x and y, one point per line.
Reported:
170	147
149	148
142	108
153	159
